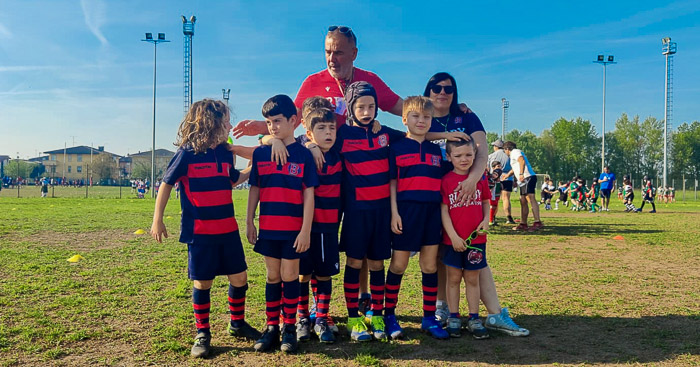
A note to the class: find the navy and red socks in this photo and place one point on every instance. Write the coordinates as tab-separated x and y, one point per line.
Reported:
351	285
376	287
392	287
323	299
236	304
273	297
290	300
303	306
430	288
201	304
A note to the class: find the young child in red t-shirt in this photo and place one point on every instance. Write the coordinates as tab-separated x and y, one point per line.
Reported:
464	225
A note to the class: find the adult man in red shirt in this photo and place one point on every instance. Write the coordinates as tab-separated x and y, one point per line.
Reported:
341	52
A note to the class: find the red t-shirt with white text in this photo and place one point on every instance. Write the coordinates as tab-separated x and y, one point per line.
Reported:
466	217
324	85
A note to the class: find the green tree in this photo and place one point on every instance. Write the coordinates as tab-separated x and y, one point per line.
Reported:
685	155
103	167
24	169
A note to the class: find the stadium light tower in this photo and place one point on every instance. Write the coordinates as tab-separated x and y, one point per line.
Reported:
602	59
669	49
188	33
504	104
155	42
226	94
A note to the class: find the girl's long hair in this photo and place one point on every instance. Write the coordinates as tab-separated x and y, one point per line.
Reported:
204	126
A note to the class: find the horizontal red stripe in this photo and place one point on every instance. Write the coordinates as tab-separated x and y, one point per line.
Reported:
328	191
351	304
281	195
215	226
429	308
429	298
405	160
236	300
372	193
272	303
419	183
211	198
352	285
392	286
331	170
304	298
204	170
368	168
237	308
237	317
430	289
373	287
280	223
378	297
325	215
390	304
201	307
201	326
324	297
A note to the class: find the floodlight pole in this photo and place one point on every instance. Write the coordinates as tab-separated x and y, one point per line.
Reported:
669	49
602	60
17	174
149	38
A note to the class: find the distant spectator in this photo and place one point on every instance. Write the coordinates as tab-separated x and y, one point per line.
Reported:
527	182
607	184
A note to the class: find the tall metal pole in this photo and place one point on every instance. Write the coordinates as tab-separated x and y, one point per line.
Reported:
150	39
669	49
602	149
504	105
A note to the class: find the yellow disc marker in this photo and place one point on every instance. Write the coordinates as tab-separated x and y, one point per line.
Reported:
75	258
169	217
140	231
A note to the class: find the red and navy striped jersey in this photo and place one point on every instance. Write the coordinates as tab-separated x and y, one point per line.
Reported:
327	200
206	181
416	167
282	190
366	165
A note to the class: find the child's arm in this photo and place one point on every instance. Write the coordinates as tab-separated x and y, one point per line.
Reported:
241	150
457	242
158	230
303	240
453	136
243	176
250	231
396	225
279	150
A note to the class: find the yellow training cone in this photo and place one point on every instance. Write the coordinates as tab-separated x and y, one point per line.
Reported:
169	217
51	206
140	231
75	258
14	208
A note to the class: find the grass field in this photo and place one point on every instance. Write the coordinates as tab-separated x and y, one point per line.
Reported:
586	298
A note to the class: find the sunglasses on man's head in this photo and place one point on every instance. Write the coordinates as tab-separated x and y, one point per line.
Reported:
341	29
449	89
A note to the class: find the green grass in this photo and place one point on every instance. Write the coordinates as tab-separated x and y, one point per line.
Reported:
585	297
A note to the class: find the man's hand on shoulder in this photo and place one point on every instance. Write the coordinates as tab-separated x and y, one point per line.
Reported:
249	128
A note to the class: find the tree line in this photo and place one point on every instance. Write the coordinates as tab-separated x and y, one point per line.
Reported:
636	147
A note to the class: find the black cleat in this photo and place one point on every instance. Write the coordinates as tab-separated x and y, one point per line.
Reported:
269	339
244	331
200	349
289	339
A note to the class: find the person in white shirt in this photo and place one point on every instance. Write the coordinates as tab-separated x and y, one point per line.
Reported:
527	183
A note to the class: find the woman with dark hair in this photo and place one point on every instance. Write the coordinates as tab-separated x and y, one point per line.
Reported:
448	116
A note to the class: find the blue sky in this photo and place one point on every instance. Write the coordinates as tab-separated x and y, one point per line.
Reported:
77	69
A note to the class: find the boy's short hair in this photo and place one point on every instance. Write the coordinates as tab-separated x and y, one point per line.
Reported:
280	104
451	144
495	163
417	103
313	103
561	182
318	116
509	145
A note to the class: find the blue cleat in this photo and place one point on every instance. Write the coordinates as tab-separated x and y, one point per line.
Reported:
393	329
432	327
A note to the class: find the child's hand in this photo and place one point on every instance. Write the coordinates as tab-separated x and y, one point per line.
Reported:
396	225
458	243
457	135
376	126
251	233
158	231
302	242
318	156
279	152
483	226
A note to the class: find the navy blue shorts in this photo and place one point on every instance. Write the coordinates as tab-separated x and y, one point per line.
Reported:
529	187
467	260
366	233
507	185
278	249
322	258
207	260
422	225
605	193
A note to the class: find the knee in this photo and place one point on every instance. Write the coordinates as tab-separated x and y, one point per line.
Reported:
274	278
305	278
323	279
428	267
203	284
238	280
375	265
354	263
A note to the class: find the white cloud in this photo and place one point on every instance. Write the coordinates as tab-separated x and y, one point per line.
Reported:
95	17
4	32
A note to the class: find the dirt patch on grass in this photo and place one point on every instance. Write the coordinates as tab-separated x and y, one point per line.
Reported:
78	241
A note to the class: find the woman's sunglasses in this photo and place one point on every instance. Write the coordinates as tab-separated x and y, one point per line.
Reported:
449	89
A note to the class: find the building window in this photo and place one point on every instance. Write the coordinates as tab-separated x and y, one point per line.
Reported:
69	169
80	158
70	157
79	169
53	157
